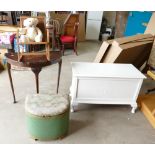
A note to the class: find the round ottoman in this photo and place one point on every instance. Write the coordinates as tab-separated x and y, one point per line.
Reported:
47	116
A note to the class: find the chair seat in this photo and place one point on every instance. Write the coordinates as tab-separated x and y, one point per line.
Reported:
67	39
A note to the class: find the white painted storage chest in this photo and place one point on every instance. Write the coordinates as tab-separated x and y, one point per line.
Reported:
103	83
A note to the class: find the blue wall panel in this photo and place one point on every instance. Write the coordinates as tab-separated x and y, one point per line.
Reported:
135	22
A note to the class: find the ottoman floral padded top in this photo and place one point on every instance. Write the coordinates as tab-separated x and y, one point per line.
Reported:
46	105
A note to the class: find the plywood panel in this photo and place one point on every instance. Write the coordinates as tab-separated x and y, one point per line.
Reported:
147	106
151	25
81	33
102	51
121	19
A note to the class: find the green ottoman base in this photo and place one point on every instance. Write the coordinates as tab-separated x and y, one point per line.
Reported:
47	120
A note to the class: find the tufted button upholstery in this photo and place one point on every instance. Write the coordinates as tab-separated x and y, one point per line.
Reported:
46	105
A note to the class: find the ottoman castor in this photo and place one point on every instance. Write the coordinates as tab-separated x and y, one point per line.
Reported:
47	116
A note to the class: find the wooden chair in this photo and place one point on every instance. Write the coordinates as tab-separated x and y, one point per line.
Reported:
70	39
69	23
41	24
56	25
56	36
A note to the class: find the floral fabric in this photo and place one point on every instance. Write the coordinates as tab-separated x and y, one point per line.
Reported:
46	105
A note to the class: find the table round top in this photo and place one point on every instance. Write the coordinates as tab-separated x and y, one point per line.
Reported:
33	60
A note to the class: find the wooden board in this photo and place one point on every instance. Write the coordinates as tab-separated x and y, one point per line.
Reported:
126	49
120	23
70	23
33	43
81	32
61	18
147	106
134	50
112	54
151	26
131	39
102	51
8	28
151	29
135	55
151	74
127	53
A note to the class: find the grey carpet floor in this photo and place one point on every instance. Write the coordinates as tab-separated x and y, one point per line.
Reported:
90	124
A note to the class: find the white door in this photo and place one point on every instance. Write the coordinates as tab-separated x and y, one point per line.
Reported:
93	29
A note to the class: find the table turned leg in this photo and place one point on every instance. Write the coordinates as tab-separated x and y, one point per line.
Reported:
59	71
11	83
36	71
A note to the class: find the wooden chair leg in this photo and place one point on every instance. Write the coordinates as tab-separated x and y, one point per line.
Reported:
63	49
75	48
57	42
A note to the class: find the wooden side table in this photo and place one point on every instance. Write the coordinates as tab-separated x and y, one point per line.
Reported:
35	63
